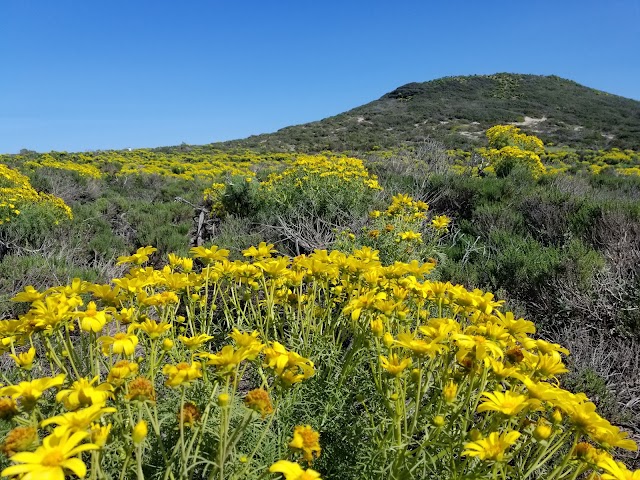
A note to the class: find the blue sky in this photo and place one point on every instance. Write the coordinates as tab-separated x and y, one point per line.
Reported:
84	75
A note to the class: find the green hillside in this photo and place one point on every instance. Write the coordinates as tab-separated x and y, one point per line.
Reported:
456	110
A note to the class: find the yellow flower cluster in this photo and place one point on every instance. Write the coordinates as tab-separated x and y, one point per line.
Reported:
307	167
500	136
456	378
16	192
198	162
83	169
513	155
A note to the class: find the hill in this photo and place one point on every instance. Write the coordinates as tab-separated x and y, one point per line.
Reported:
457	110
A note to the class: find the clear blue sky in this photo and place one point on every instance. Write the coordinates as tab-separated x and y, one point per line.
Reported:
84	74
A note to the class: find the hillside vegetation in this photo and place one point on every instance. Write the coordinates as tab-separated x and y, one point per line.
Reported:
407	313
457	110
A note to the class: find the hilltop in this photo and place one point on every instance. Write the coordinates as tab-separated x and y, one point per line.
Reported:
457	110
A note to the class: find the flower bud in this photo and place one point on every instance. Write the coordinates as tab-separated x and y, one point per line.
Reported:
439	421
167	344
377	327
223	399
139	432
450	391
542	431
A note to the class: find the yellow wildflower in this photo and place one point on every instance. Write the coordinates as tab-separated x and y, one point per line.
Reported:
53	459
394	364
121	371
139	432
209	255
77	421
25	359
492	447
258	400
141	389
509	403
440	222
182	373
92	320
30	392
193	343
100	434
307	440
138	258
82	394
450	391
19	439
120	343
293	471
152	328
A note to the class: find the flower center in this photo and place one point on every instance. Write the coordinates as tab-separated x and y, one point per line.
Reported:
53	458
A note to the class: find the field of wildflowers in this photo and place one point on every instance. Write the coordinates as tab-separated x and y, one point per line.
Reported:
282	360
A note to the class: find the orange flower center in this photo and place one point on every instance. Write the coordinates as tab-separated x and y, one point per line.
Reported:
53	458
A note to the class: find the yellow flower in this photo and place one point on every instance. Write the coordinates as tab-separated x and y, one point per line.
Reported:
100	434
57	456
141	389
293	471
616	470
28	295
545	365
509	403
8	407
77	421
226	360
152	328
262	251
481	347
92	320
19	439
82	394
30	392
209	255
493	447
410	235
377	327
289	366
450	391
440	222
195	342
182	373
307	440
120	343
139	432
394	364
419	347
25	359
138	258
542	431
121	371
248	343
258	400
